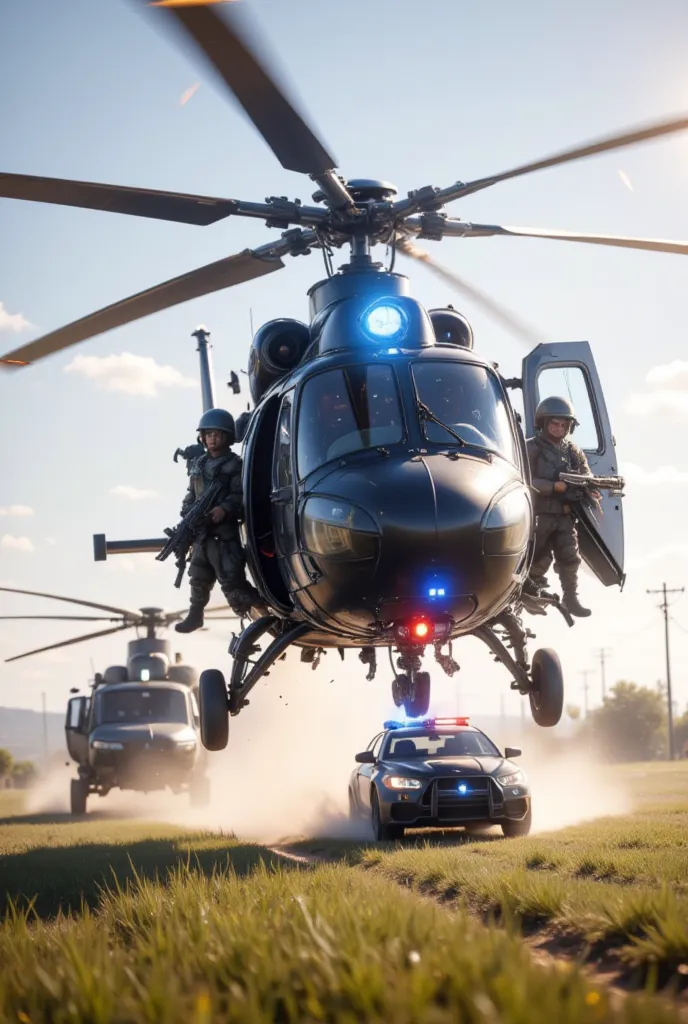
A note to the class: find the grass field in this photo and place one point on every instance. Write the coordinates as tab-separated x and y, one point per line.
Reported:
110	920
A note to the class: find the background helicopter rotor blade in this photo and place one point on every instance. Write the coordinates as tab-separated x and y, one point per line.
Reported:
225	273
650	244
224	44
489	305
75	640
130	615
62	618
605	145
137	202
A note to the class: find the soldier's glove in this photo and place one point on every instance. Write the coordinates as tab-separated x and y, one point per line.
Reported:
572	494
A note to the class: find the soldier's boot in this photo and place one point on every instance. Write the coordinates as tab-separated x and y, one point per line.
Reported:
193	621
572	604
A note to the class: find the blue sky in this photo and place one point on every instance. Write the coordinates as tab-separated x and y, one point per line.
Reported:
416	94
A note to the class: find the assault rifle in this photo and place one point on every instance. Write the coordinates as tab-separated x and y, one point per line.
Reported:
613	484
183	535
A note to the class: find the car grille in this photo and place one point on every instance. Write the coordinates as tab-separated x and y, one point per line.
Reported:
449	803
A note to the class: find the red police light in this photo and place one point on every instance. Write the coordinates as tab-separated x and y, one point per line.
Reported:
420	629
435	722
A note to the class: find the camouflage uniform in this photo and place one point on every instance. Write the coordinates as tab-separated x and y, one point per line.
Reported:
218	554
556	534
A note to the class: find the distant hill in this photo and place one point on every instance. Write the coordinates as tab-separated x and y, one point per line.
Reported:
21	732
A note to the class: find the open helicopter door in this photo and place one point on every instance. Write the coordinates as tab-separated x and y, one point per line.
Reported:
568	369
76	728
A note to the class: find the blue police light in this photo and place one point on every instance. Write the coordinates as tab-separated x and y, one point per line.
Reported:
437	591
463	788
392	725
385	322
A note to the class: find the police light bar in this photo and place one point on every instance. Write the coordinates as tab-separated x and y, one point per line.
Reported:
446	721
426	723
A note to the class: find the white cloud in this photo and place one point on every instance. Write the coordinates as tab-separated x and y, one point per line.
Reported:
133	493
633	473
670	391
16	543
16	510
13	321
134	375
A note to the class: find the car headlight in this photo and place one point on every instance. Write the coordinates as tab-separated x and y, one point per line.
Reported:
400	782
507	524
186	744
336	529
512	779
106	745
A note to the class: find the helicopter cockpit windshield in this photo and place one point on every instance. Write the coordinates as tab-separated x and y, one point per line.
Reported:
142	705
467	398
346	410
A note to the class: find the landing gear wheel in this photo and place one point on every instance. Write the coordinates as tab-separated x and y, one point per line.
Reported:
199	792
214	708
547	694
78	794
400	689
418	701
382	832
513	829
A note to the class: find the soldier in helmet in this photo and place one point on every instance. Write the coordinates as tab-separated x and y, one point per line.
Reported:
550	453
217	554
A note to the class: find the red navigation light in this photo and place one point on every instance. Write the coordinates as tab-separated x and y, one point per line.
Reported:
420	629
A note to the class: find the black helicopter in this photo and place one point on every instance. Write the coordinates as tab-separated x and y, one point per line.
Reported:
138	728
387	489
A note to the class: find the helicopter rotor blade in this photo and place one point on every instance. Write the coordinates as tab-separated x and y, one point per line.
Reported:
130	615
60	618
233	270
75	640
605	145
136	202
223	43
489	305
466	230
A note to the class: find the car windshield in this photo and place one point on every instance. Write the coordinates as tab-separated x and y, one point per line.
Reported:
142	706
439	744
346	410
468	399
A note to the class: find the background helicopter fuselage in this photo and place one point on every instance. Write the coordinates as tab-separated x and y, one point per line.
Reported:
364	517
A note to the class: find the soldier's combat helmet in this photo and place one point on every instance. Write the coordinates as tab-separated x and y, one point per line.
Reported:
218	419
555	407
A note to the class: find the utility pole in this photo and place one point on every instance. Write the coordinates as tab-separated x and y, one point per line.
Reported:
664	607
603	654
585	673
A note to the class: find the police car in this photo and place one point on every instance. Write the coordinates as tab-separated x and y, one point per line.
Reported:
438	773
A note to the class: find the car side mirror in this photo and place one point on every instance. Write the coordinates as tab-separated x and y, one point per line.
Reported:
365	757
510	752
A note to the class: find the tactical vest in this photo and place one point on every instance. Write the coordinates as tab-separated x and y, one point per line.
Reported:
547	461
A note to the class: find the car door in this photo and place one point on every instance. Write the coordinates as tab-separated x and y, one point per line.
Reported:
365	772
568	369
76	729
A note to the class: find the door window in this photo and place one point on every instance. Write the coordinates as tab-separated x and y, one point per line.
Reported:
282	473
572	382
74	713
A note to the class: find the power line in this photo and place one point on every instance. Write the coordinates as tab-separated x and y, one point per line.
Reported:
664	606
603	653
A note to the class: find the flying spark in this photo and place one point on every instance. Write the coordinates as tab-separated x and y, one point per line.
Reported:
626	180
186	96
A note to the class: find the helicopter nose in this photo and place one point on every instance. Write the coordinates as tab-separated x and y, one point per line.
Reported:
427	534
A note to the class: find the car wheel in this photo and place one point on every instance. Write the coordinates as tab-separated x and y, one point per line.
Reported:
383	833
512	829
547	694
214	708
78	794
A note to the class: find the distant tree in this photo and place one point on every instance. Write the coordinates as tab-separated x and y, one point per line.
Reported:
6	762
631	724
681	735
24	774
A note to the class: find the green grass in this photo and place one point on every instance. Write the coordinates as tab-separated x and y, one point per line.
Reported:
614	882
331	944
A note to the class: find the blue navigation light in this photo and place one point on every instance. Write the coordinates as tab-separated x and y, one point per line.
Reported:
440	592
385	321
436	591
463	788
